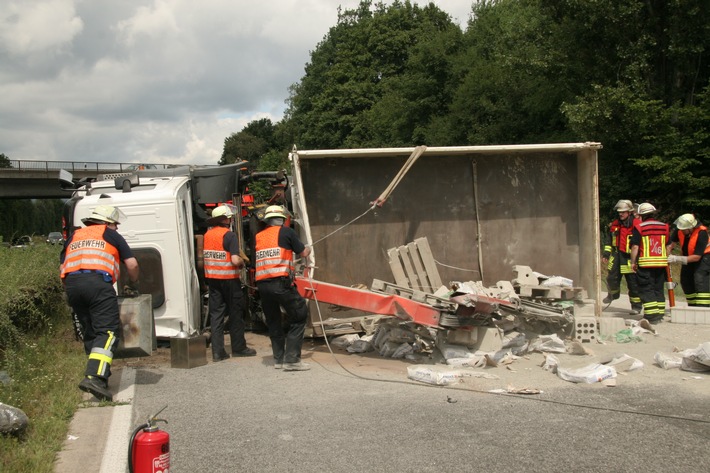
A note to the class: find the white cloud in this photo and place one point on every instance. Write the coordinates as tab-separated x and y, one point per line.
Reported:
151	80
35	26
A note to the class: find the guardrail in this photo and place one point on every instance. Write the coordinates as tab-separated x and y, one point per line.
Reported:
88	166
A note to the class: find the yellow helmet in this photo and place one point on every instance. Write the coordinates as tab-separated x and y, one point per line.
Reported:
275	211
646	208
686	222
222	211
106	213
624	206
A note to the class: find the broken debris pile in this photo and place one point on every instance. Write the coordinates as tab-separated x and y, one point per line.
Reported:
696	360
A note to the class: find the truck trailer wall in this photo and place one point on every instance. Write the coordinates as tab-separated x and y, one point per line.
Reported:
483	210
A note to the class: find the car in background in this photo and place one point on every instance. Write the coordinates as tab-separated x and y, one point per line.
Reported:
141	167
55	238
24	241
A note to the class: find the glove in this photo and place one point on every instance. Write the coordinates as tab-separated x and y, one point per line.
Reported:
131	290
677	259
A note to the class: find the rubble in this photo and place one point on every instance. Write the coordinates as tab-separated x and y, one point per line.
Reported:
696	360
481	328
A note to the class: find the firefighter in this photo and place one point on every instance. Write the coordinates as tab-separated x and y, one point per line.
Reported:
90	265
222	262
649	260
275	248
695	248
618	258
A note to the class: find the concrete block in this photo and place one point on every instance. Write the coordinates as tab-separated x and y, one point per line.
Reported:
608	326
690	315
467	337
489	339
585	329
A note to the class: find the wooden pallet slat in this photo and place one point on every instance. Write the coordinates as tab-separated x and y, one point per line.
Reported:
396	265
429	263
424	284
409	268
413	266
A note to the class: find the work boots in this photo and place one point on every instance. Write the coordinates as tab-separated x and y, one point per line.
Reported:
299	366
245	352
97	387
610	297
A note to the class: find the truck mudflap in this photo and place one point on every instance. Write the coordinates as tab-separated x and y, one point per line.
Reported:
367	301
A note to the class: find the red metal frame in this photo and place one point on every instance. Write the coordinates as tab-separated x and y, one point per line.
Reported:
367	301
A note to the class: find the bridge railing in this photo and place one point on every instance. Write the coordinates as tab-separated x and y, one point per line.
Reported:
74	166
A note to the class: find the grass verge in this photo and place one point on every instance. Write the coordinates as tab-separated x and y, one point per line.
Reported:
45	374
40	356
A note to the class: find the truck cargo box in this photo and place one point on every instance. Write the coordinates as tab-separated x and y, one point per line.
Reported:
483	209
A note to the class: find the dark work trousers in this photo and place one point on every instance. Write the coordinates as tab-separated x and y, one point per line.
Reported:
651	289
695	281
225	300
95	303
613	277
286	339
620	265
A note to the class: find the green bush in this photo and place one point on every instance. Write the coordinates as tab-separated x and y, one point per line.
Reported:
38	354
31	294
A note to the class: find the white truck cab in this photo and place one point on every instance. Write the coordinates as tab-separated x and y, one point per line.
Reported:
159	229
166	213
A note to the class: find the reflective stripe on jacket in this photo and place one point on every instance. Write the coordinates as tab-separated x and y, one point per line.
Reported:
652	251
89	251
693	240
217	260
272	261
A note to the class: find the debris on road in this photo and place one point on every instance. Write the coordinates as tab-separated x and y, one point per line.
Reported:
696	360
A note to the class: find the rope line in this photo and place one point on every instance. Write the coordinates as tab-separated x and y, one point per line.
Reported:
349	223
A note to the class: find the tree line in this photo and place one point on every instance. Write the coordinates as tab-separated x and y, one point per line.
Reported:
631	74
28	216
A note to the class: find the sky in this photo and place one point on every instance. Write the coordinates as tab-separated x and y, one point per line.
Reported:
152	81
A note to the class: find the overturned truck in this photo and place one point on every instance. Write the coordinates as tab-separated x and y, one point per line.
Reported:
485	211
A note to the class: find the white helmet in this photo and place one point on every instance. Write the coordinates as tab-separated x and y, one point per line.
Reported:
646	208
686	222
106	213
274	211
624	206
223	211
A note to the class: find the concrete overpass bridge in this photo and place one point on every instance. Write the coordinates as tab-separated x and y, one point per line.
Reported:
25	179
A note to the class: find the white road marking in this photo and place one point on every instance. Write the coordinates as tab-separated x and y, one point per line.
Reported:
115	457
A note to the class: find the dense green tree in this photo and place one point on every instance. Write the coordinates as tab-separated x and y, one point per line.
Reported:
379	65
242	146
631	74
4	161
644	101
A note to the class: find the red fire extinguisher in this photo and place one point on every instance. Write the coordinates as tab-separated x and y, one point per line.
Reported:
149	448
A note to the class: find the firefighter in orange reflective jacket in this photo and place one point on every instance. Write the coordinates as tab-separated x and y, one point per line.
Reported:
90	264
618	256
223	262
649	259
695	248
275	248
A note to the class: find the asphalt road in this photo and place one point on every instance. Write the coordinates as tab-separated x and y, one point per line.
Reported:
242	415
